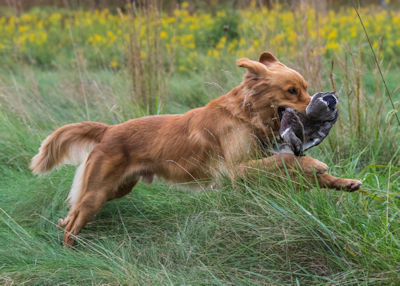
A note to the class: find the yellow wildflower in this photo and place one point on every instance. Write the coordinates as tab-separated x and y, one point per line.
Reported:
333	46
163	35
333	35
55	17
111	37
113	64
23	28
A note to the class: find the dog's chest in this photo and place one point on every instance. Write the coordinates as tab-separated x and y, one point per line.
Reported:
238	144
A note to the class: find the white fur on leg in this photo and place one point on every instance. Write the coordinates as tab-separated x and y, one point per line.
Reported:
76	188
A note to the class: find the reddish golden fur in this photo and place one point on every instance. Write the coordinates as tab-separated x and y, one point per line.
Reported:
194	146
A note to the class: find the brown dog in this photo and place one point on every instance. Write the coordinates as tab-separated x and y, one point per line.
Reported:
194	146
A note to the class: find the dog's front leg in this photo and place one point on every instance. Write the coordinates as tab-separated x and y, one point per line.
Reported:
328	181
312	169
278	162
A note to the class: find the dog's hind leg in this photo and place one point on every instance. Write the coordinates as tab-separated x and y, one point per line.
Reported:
88	206
101	182
124	188
74	193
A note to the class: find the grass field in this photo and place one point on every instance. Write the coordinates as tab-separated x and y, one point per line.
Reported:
265	231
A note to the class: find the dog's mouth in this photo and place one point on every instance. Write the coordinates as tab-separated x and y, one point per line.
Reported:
281	110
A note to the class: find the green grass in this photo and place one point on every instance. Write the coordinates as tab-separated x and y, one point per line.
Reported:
264	231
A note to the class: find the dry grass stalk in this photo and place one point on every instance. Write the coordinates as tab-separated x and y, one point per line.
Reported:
146	66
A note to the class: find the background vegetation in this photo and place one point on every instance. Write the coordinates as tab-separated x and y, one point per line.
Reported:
60	66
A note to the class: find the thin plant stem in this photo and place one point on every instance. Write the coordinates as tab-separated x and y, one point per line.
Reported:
377	64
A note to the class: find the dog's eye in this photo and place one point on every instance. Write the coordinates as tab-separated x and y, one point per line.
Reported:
292	91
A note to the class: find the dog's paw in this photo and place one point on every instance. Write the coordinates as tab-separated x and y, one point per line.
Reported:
351	185
62	222
347	185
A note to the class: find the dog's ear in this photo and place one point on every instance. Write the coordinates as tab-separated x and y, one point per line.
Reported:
253	67
267	58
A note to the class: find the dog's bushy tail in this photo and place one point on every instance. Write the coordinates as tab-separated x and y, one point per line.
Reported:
69	144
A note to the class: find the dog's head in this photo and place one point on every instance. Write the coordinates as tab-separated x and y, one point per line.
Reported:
270	85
